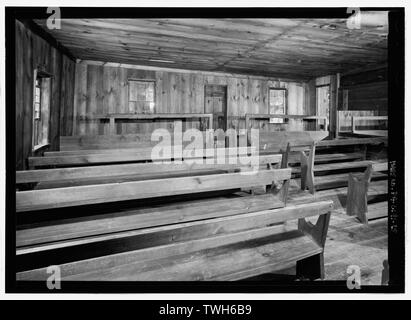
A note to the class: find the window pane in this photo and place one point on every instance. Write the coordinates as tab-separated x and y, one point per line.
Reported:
132	91
41	105
277	104
142	93
36	111
37	95
150	92
277	101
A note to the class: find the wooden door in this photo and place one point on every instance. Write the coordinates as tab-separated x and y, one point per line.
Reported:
215	102
323	103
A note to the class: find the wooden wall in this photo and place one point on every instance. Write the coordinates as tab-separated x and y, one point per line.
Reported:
32	52
363	94
103	89
366	90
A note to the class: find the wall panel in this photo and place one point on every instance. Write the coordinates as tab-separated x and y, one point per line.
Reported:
33	52
177	92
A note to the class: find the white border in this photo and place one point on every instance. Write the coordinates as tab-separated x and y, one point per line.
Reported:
193	3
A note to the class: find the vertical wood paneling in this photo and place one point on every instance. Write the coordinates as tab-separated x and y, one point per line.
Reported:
91	105
333	105
19	60
28	71
100	99
183	93
80	98
55	107
33	52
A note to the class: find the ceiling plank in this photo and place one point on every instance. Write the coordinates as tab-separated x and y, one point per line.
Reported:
300	48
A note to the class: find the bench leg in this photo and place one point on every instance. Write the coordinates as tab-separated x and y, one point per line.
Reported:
311	268
364	151
357	195
307	170
282	193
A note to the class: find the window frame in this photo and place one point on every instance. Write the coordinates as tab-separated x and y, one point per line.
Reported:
285	104
40	74
153	81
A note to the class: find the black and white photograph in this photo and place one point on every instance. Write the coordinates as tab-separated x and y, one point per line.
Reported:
161	150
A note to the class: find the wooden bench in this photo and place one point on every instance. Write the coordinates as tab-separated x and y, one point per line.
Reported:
263	116
189	240
65	177
229	248
327	171
297	146
118	156
126	141
206	119
382	133
357	195
333	175
362	123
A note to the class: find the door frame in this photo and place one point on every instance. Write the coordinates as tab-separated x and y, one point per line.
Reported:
329	102
225	112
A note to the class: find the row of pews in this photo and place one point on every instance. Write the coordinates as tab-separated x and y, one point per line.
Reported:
114	214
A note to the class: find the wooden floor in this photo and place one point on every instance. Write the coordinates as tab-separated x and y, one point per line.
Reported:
350	242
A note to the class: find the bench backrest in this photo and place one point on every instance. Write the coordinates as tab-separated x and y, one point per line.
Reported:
115	141
278	141
352	142
133	169
133	190
92	157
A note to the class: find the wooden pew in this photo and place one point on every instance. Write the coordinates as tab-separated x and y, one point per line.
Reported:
296	145
228	248
116	156
60	177
334	175
89	194
128	155
206	119
315	172
263	116
113	141
352	142
206	233
357	194
382	133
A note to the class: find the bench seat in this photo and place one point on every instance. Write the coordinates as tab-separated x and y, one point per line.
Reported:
249	244
133	219
227	263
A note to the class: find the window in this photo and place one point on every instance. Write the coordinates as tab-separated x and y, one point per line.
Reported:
277	103
41	109
141	96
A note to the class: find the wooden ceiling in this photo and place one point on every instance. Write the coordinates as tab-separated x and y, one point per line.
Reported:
288	48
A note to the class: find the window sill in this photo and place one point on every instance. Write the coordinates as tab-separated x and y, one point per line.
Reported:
41	147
